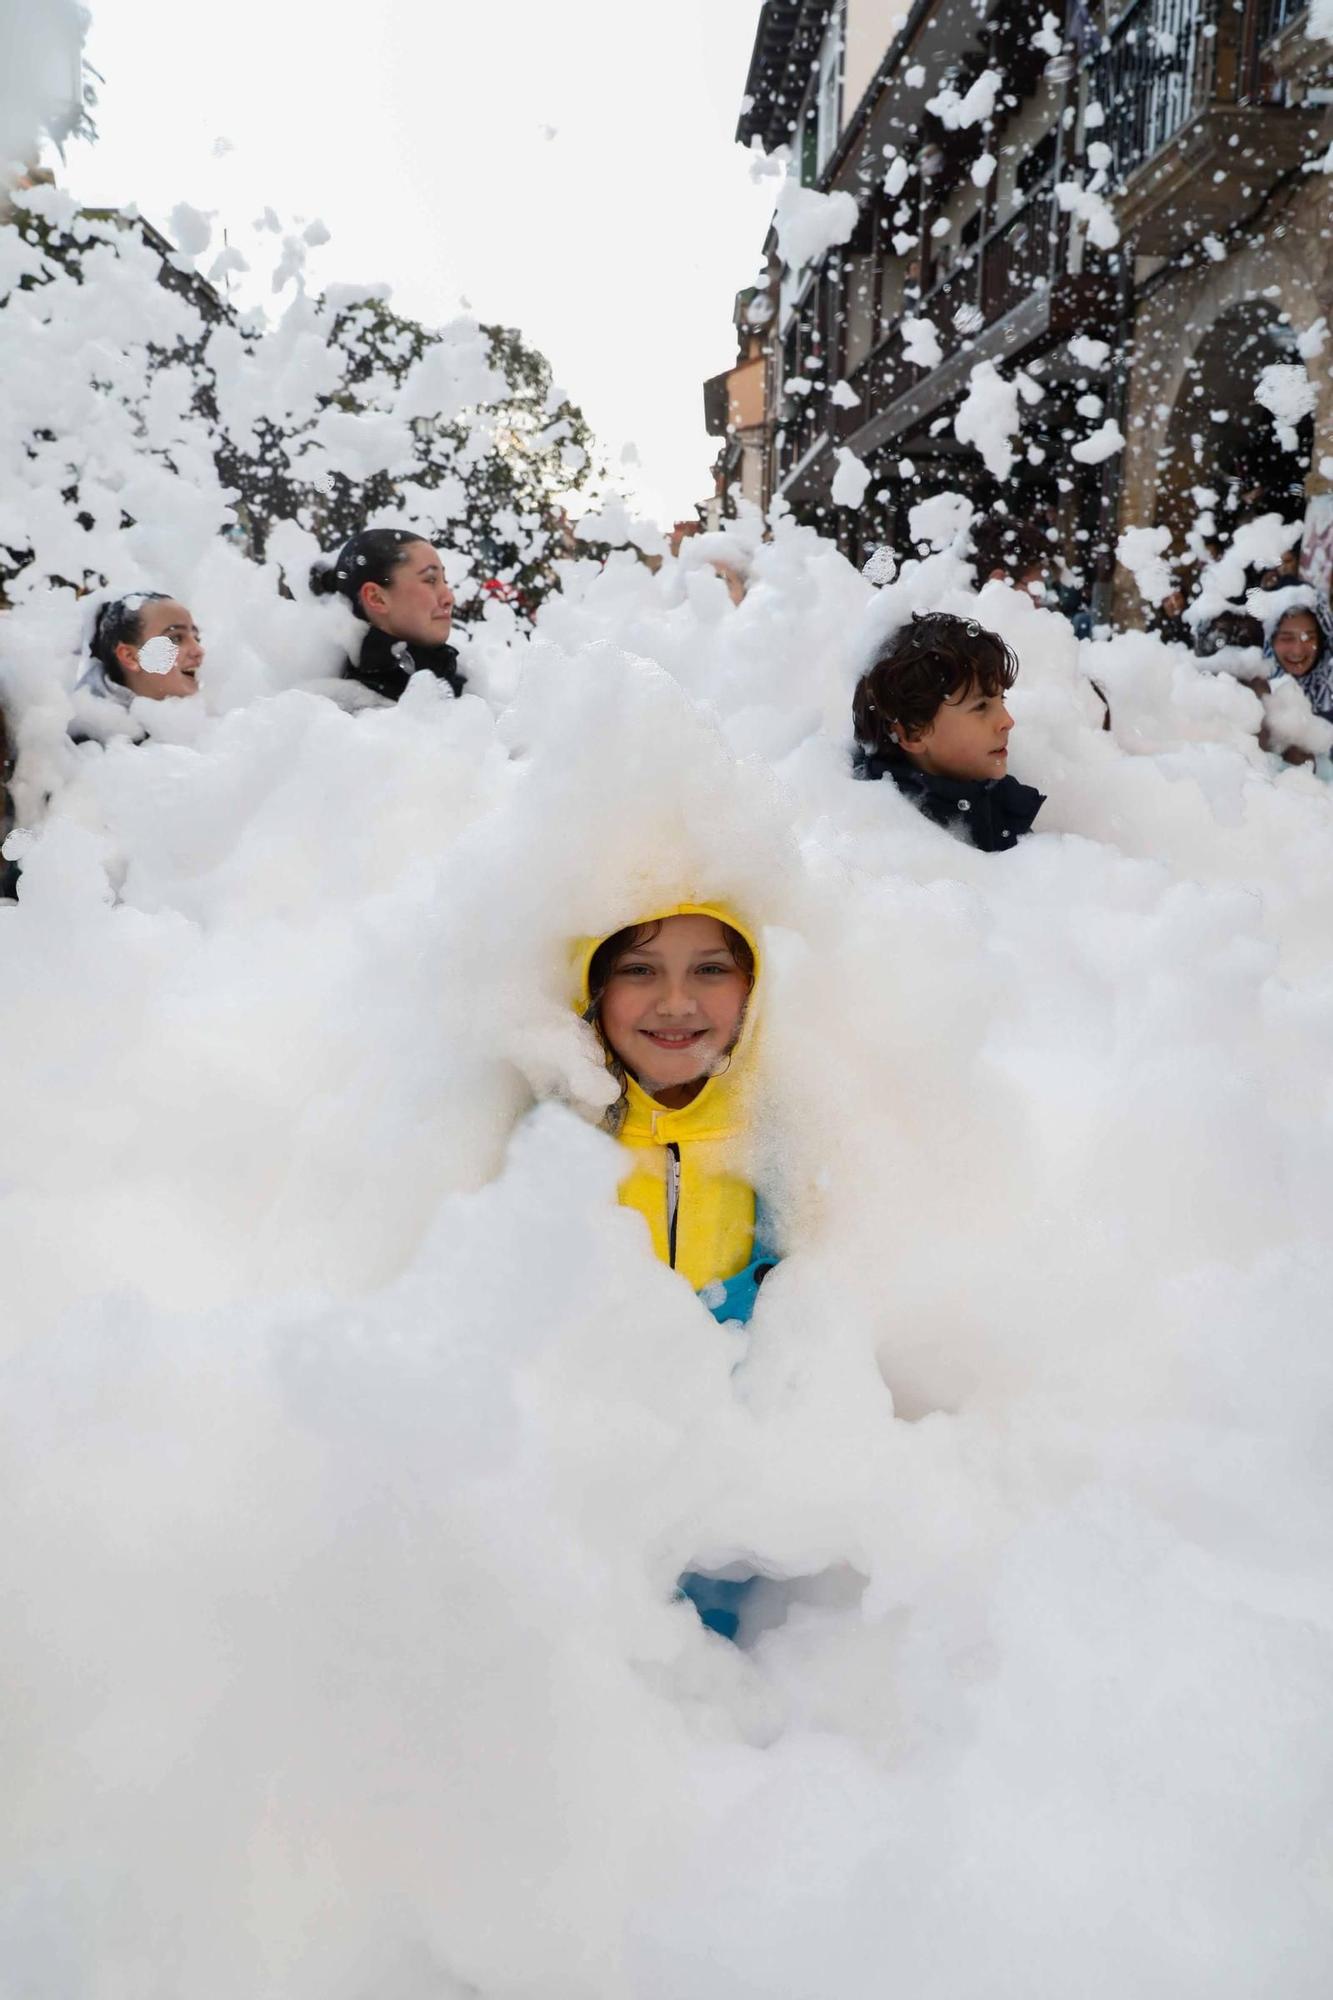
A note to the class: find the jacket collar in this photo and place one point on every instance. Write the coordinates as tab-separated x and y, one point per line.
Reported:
997	811
386	665
714	1114
910	777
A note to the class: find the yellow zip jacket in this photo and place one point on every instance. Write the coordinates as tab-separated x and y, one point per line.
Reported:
713	1237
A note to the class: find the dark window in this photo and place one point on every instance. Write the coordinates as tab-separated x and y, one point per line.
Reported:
1038	163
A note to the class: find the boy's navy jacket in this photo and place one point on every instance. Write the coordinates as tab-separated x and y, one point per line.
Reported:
994	812
386	665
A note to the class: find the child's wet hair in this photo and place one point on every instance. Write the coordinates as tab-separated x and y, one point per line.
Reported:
934	659
1235	628
1013	546
119	622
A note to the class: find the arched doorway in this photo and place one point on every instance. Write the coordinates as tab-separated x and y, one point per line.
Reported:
1220	438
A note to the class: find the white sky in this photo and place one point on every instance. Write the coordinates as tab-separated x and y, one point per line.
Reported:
415	132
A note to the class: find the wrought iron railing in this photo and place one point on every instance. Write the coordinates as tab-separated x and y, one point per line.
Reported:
801	425
1010	264
1154	74
951	303
1275	15
1019	257
883	376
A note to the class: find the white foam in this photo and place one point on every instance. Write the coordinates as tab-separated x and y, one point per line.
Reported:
354	1439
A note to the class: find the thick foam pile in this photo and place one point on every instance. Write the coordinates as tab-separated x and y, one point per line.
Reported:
354	1440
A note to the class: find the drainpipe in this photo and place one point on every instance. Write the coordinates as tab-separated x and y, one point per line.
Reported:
1112	468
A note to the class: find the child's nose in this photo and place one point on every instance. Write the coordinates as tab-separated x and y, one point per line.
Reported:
675	1000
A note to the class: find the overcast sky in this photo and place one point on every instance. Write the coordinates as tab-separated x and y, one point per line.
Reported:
569	170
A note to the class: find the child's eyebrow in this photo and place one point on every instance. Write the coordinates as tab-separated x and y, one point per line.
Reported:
718	951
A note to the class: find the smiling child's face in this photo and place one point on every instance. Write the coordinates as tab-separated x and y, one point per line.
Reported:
967	739
673	1006
1296	642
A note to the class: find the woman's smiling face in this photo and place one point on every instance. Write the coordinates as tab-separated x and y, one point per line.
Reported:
673	1006
169	654
1296	642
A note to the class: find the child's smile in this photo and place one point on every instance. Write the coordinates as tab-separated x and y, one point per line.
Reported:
673	1007
671	1038
1296	642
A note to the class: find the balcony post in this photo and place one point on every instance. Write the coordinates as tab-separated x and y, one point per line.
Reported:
1248	91
1229	48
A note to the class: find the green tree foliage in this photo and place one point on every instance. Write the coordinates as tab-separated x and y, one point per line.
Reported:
487	476
491	484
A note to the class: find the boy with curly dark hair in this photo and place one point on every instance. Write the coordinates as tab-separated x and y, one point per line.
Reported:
930	715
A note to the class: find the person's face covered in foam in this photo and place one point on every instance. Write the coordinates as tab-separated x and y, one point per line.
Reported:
168	656
673	1006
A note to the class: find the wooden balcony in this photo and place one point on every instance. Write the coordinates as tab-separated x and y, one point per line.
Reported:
1195	117
1212	173
1009	300
1285	47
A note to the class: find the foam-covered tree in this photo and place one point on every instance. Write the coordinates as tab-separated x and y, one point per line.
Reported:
489	479
139	393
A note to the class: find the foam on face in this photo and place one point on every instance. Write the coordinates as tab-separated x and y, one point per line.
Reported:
158	656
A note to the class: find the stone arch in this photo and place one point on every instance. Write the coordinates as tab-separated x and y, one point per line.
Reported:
1288	270
1217	436
1174	325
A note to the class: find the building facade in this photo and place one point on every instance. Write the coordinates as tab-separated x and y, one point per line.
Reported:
736	410
1137	180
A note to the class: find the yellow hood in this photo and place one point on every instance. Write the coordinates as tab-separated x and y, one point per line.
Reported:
717	1110
586	948
716	1215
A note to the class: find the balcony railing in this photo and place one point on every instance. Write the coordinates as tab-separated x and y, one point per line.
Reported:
1275	15
804	420
1019	256
1156	74
951	303
883	376
1015	260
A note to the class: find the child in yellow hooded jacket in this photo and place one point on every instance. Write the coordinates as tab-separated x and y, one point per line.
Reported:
672	1000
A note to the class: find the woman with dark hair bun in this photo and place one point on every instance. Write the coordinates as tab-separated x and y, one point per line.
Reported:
395	583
